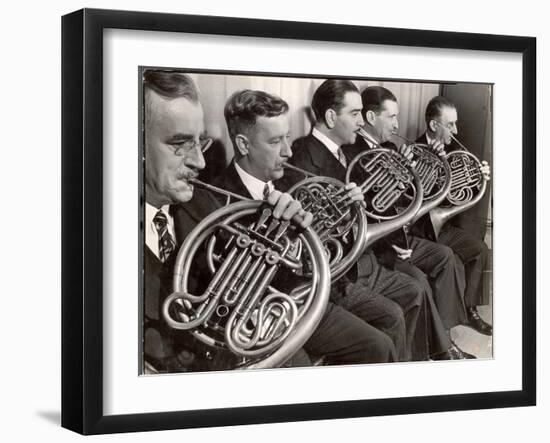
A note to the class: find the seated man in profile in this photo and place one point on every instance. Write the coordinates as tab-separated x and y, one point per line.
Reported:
174	145
441	118
258	125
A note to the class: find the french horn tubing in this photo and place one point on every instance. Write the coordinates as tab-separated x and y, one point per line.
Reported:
387	178
247	307
435	175
336	218
467	185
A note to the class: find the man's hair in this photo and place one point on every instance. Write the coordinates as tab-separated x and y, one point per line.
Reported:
435	108
170	84
244	107
330	95
373	97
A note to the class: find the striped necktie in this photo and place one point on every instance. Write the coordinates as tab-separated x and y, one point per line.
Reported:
166	242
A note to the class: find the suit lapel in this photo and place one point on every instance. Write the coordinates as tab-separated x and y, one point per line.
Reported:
422	139
323	159
234	182
188	215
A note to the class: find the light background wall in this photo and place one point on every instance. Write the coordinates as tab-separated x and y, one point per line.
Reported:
30	174
298	92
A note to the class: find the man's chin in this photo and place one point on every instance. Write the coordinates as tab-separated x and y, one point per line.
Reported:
277	174
183	196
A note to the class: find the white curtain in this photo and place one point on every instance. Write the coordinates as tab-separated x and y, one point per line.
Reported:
298	92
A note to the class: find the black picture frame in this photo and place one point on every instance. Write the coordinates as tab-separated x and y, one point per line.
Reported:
82	220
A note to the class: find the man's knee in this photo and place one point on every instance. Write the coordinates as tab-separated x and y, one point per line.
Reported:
395	316
444	254
418	288
379	349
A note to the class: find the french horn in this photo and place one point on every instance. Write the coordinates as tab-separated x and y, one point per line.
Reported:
247	307
434	172
336	219
387	180
467	186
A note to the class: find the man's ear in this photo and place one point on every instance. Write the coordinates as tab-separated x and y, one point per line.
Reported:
370	117
432	125
330	118
242	144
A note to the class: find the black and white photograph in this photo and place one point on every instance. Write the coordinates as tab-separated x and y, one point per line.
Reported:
292	220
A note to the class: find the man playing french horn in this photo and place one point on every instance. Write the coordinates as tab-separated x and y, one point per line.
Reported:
174	145
441	128
258	125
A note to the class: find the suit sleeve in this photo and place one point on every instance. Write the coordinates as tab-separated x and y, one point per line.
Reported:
301	159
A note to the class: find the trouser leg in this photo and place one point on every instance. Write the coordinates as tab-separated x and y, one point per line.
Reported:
431	337
344	338
474	254
446	277
389	300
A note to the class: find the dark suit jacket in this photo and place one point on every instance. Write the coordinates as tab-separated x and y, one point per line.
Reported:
162	344
230	180
313	156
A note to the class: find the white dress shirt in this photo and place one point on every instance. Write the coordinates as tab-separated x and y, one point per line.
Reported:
151	233
370	141
254	185
429	140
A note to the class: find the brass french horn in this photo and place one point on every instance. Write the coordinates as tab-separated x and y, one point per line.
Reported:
246	307
467	185
336	219
388	179
435	175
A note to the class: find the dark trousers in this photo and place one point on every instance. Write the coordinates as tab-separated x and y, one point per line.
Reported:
431	337
446	276
344	338
388	300
474	254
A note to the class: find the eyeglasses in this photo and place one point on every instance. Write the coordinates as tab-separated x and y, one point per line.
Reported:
185	147
449	126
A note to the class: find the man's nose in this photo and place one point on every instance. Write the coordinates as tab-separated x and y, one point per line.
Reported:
287	150
360	120
195	158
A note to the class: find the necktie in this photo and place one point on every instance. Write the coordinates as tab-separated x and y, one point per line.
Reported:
166	242
342	158
266	191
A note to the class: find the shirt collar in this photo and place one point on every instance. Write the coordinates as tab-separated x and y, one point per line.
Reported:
254	185
429	140
331	146
370	140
